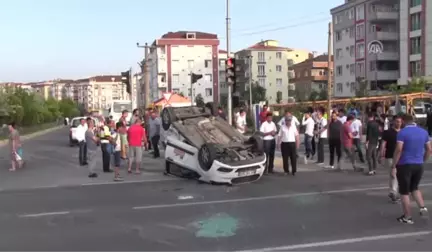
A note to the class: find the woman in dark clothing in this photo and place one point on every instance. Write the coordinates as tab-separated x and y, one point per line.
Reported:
334	138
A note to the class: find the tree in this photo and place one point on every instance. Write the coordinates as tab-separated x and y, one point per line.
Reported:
362	88
278	97
199	100
27	109
313	96
323	95
258	93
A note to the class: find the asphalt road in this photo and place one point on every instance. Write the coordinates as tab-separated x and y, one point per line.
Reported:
313	211
319	210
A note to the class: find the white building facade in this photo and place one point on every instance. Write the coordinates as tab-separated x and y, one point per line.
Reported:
175	56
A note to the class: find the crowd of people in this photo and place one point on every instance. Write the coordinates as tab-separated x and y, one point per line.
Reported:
394	141
118	141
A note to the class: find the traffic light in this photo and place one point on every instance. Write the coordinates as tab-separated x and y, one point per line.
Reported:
231	72
125	79
195	77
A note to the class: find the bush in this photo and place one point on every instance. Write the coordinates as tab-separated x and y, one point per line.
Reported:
29	109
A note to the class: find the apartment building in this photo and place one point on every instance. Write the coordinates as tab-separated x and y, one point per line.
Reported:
61	89
268	64
415	40
356	23
223	87
311	75
42	89
98	92
174	56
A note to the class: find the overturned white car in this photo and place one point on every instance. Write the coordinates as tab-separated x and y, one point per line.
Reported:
207	147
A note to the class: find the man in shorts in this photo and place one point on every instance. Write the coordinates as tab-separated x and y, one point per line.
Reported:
412	149
136	138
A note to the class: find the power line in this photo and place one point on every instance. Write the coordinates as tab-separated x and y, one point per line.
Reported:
280	28
277	23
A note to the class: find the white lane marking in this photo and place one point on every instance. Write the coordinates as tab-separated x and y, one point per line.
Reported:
341	242
272	197
185	197
43	214
46	187
128	182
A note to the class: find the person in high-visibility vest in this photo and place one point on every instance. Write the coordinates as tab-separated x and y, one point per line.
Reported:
106	147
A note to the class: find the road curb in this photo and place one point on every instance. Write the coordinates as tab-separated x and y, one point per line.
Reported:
34	134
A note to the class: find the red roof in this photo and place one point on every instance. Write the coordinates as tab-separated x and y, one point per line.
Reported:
171	98
222	51
182	35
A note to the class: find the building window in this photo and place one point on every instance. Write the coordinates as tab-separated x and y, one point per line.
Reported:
352	51
222	63
351	32
360	68
262	82
360	31
261	56
278	68
279	82
339	70
352	89
261	70
361	50
278	55
175	78
415	68
191	64
208	77
339	53
360	12
208	92
414	3
415	45
372	65
415	22
208	63
338	36
352	69
351	14
339	87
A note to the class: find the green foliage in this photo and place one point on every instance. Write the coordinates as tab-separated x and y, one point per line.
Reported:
362	88
27	109
199	100
258	93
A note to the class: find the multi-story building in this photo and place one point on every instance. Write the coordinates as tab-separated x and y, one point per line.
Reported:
268	64
99	92
415	40
310	75
223	87
356	23
43	89
61	89
176	55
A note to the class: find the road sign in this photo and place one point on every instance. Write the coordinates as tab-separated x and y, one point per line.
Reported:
375	47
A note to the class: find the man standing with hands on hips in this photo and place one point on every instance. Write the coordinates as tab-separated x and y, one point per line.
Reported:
288	142
269	130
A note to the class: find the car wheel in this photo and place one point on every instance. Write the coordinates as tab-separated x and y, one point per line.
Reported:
167	118
206	155
258	143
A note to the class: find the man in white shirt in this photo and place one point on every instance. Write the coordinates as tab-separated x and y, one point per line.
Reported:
269	130
341	116
294	121
80	136
322	133
309	124
241	122
356	129
288	142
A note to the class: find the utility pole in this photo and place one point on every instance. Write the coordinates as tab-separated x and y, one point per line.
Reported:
228	35
145	71
250	89
329	68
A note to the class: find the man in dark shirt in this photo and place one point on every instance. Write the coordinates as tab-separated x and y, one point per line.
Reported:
388	146
221	113
372	139
334	139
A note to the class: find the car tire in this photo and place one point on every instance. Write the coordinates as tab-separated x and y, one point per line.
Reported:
167	117
258	143
206	155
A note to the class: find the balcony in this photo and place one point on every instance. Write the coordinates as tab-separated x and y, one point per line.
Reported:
319	78
388	56
383	15
383	75
384	35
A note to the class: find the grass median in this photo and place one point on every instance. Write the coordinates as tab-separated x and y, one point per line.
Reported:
4	133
